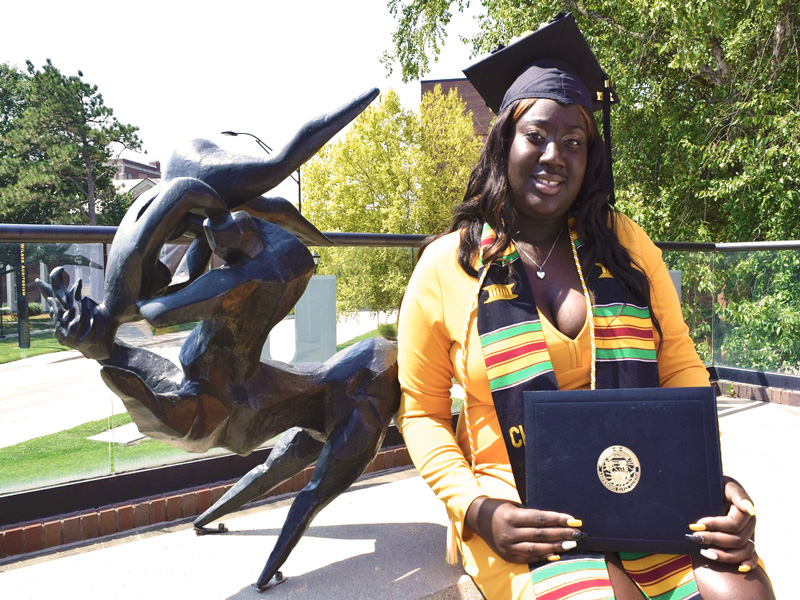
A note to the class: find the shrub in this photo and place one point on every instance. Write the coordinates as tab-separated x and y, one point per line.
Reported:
388	331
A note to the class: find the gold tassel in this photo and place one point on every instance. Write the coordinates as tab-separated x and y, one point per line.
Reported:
452	543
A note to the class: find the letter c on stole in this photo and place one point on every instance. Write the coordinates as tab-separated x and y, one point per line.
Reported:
517	435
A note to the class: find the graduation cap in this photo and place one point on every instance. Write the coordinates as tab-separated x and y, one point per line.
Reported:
553	62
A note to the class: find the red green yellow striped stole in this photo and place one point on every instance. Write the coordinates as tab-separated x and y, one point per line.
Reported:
577	577
662	576
514	347
585	577
516	357
515	354
623	332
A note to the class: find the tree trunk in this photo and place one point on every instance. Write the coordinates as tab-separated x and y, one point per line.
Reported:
90	200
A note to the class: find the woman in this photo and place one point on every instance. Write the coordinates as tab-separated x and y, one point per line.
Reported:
536	240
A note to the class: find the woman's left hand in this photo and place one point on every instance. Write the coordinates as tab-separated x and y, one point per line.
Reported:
729	538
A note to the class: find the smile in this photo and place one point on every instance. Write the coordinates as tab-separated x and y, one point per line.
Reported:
548	183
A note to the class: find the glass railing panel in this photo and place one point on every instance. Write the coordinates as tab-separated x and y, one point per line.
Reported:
78	260
353	295
741	308
60	423
370	283
693	276
51	398
757	318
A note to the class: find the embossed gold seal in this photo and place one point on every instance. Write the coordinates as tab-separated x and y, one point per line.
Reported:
618	469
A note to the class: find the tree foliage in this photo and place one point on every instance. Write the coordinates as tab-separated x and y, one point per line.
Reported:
13	95
758	321
706	135
706	141
55	146
395	171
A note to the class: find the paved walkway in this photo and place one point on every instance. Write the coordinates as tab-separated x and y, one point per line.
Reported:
384	538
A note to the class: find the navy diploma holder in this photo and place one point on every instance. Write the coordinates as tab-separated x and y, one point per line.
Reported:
636	465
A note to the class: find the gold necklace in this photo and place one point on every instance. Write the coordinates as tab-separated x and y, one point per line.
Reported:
540	273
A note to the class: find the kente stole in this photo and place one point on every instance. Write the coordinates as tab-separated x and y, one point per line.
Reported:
517	360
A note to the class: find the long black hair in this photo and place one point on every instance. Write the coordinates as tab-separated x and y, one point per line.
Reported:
488	200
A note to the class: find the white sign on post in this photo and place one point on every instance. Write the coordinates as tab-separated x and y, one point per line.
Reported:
314	330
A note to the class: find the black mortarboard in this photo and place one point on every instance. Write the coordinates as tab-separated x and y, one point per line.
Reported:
554	62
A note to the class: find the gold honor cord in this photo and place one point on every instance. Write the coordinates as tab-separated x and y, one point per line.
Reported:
452	555
593	367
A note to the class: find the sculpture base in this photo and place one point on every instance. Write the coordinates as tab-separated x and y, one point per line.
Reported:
276	580
220	528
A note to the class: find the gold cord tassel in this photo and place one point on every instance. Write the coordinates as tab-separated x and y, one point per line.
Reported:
589	311
452	535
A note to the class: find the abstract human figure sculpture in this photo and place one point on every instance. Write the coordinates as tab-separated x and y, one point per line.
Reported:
335	413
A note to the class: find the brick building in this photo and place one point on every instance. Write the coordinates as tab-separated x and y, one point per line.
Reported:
135	177
130	169
482	116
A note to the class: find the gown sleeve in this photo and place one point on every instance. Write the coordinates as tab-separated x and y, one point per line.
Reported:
426	376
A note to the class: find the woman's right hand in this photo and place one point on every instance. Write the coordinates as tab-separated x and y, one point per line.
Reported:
522	535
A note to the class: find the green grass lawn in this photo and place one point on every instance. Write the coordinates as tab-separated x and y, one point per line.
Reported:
175	328
43	340
387	330
68	455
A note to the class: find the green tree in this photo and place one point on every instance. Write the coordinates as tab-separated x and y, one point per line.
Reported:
448	151
395	171
706	134
54	165
13	99
705	139
758	321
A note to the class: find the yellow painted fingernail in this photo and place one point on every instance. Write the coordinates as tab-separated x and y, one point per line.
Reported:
697	527
574	523
553	557
744	568
751	510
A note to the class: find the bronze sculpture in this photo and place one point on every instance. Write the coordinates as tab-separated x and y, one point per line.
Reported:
335	413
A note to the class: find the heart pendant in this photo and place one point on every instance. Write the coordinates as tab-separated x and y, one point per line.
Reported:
540	274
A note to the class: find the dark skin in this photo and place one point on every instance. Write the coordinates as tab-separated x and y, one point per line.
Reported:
546	161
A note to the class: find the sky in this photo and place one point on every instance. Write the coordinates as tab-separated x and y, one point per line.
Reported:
180	70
